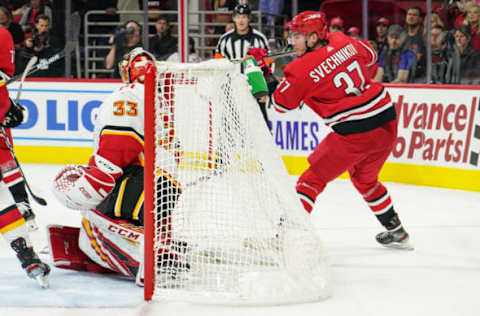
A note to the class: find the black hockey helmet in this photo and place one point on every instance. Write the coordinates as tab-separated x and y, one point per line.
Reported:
242	9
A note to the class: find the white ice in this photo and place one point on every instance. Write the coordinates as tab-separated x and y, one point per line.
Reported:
440	277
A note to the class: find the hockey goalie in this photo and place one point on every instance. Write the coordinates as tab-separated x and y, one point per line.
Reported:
109	190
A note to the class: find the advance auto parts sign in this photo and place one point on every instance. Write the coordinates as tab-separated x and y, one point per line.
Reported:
439	127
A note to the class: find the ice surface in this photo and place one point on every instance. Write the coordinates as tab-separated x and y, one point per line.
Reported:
440	277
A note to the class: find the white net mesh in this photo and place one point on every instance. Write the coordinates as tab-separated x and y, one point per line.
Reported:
231	230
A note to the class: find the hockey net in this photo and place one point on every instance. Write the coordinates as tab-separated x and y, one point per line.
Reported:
236	232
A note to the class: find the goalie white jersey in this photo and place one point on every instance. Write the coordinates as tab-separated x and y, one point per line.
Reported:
119	128
121	114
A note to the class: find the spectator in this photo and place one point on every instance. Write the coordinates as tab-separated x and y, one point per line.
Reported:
336	24
473	21
381	38
30	11
16	7
414	40
285	44
225	6
110	15
192	54
128	5
464	64
123	42
458	11
13	5
235	44
397	62
354	32
163	44
439	53
435	20
14	29
40	45
154	11
154	6
271	7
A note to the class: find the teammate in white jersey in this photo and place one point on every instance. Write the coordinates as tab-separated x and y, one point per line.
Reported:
110	188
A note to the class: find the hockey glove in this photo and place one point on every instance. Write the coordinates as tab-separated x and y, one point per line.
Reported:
14	116
259	54
82	188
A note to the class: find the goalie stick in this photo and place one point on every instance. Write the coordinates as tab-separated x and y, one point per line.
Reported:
30	64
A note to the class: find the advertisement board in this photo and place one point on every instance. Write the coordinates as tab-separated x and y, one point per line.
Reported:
438	140
59	119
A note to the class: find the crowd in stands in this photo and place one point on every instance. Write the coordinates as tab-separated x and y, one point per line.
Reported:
455	48
38	28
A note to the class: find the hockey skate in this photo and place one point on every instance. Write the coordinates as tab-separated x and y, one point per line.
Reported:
32	265
29	216
397	238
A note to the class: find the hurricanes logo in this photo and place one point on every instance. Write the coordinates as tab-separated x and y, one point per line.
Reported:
475	152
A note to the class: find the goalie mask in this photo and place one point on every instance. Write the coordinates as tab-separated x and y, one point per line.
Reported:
134	65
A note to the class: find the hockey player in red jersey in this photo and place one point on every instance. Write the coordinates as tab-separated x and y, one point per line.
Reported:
12	192
330	77
109	191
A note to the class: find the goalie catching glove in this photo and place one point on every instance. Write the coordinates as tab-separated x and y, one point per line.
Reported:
82	188
14	116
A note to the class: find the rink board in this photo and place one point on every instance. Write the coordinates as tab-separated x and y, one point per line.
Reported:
438	142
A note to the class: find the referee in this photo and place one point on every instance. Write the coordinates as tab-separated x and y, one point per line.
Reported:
234	44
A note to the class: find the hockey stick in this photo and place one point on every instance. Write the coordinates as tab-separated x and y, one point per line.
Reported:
30	64
37	67
37	199
272	56
281	54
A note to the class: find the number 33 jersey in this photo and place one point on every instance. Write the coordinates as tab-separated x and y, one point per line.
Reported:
334	81
119	126
119	129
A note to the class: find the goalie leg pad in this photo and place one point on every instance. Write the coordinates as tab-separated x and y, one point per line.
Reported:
66	254
113	244
63	242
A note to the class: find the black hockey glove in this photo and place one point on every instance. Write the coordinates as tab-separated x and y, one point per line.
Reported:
14	116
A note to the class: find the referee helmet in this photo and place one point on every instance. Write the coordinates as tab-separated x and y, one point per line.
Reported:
242	9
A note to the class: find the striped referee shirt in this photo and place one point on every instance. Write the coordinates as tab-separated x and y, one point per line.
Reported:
234	47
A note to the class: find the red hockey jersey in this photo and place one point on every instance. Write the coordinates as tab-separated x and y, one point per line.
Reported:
334	82
7	65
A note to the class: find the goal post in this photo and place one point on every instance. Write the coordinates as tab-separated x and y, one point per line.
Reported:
148	181
222	220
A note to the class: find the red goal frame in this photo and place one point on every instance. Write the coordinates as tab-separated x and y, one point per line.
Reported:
148	182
